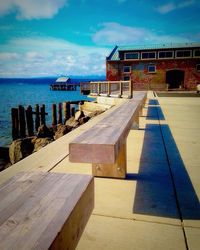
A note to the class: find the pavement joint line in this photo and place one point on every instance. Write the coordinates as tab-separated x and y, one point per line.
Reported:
58	162
173	183
135	219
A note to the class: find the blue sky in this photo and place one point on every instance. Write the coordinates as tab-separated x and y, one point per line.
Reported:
73	37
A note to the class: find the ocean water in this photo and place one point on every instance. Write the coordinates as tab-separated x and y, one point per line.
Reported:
14	92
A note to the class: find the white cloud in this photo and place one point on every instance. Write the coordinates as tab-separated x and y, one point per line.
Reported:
5	56
115	33
48	56
168	7
32	9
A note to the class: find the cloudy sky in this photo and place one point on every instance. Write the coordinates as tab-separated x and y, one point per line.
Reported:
73	37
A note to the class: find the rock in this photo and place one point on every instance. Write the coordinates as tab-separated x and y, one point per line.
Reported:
41	142
79	114
95	113
71	122
61	130
84	119
20	149
44	131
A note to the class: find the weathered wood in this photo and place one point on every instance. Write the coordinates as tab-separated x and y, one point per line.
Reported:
42	115
116	170
103	143
60	113
66	111
72	111
29	120
15	123
22	123
37	117
44	210
54	115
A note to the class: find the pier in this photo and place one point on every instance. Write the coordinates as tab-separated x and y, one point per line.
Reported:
157	205
64	84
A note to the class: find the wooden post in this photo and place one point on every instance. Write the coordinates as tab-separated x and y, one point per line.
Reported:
29	120
73	111
66	110
15	123
109	89
60	113
22	123
42	115
99	88
131	88
37	117
54	115
121	88
116	170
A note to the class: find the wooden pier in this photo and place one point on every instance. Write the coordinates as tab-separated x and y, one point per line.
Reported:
64	84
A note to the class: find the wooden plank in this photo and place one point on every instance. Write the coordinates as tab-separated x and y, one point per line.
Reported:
116	170
53	214
102	143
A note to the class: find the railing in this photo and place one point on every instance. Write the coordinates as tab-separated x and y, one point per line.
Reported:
111	88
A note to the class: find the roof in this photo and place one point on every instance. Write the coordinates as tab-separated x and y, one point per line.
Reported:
114	55
63	79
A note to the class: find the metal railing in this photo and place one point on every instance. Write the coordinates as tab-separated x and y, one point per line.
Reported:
111	88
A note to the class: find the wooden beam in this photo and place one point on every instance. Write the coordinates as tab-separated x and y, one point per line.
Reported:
44	210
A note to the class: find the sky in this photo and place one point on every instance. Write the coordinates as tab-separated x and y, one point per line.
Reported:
73	37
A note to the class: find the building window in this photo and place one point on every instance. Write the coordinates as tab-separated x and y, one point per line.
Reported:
183	53
198	67
165	54
196	53
132	56
152	69
127	69
148	55
127	78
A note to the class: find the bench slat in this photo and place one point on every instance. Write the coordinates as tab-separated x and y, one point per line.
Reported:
102	142
50	210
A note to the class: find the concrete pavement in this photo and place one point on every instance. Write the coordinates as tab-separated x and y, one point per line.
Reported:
157	206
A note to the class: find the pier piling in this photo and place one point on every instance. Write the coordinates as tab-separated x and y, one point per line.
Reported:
29	120
22	124
54	115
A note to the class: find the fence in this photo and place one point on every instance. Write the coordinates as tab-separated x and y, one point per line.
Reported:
111	88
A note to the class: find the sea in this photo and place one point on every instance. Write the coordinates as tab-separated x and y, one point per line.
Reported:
31	91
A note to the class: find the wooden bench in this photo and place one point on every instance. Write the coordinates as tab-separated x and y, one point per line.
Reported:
41	210
104	145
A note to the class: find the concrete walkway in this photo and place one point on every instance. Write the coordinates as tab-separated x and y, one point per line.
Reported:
157	206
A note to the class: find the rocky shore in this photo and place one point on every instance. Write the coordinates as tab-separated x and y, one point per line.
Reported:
23	147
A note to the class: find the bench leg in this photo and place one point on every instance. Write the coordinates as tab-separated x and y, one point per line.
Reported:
135	125
116	170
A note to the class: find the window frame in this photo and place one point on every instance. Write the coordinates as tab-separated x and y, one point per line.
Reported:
149	58
163	58
151	72
198	65
126	76
127	72
194	53
183	56
138	53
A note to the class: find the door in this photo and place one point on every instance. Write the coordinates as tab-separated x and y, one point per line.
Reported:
175	78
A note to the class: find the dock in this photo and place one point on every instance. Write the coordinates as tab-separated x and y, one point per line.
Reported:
64	84
157	205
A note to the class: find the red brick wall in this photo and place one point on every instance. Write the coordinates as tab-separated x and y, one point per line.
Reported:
141	78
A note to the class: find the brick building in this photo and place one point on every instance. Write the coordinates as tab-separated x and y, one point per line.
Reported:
157	66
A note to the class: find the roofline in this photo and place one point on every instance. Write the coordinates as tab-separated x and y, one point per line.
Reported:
159	46
112	53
